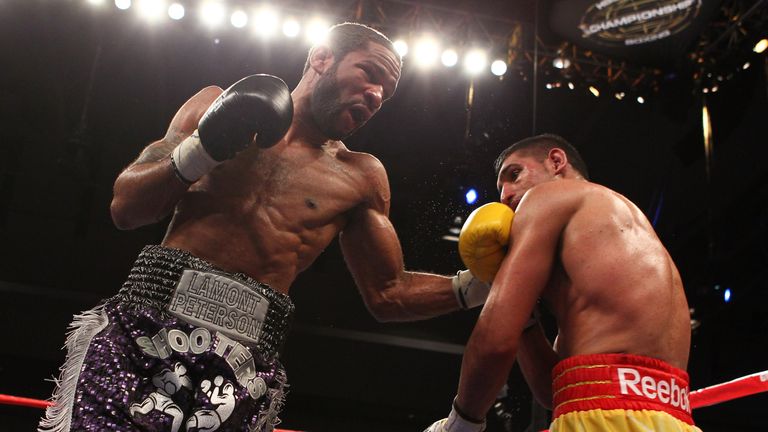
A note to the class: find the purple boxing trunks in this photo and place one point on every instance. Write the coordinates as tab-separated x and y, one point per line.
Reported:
182	347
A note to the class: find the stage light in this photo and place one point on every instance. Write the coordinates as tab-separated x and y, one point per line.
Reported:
212	13
96	2
475	61
761	46
238	19
265	22
425	52
291	28
449	58
401	47
746	66
640	100
727	295
499	67
548	86
620	95
705	90
715	89
571	86
123	4
317	31
594	91
151	10
176	11
561	63
471	196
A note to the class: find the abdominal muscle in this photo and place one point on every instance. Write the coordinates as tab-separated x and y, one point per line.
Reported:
258	240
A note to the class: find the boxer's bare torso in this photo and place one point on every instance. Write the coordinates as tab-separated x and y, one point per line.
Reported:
270	212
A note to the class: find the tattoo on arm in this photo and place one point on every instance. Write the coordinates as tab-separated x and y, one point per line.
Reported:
161	149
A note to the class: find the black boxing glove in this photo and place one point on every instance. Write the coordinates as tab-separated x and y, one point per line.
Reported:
257	105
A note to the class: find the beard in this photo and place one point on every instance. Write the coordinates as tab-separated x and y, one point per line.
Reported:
326	106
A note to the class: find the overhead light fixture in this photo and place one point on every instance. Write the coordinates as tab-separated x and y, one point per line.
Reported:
561	63
291	28
449	58
151	10
426	52
238	19
499	67
176	11
401	46
761	46
317	31
212	13
265	22
475	61
123	4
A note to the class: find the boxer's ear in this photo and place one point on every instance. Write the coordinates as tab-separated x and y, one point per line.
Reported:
320	59
558	159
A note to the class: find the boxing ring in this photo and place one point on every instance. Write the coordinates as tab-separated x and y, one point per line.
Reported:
704	397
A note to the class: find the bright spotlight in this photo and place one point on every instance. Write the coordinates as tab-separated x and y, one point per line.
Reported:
317	31
426	52
746	66
571	86
594	91
123	4
727	295
561	63
291	28
620	95
401	47
212	13
640	100
499	67
760	46
449	58
471	196
238	19
475	61
176	11
265	22
151	10
96	2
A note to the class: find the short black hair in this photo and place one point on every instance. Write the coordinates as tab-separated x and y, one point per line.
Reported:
539	146
347	37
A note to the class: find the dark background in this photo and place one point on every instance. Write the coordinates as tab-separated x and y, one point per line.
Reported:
85	89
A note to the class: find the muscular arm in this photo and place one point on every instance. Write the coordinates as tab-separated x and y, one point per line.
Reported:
491	350
375	259
148	189
536	359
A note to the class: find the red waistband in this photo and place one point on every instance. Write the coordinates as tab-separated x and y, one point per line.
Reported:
620	381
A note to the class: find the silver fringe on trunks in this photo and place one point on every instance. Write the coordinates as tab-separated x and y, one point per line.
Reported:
82	329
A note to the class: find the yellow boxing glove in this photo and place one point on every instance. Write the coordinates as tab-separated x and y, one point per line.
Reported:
484	238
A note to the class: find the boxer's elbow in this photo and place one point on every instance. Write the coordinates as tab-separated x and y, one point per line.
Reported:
385	305
119	213
124	216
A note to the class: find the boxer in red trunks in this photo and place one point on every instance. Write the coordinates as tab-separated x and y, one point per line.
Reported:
591	257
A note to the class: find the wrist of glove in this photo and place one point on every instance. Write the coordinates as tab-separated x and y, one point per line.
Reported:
469	291
190	161
456	423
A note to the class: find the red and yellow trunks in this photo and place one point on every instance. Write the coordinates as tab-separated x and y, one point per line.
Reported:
620	392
